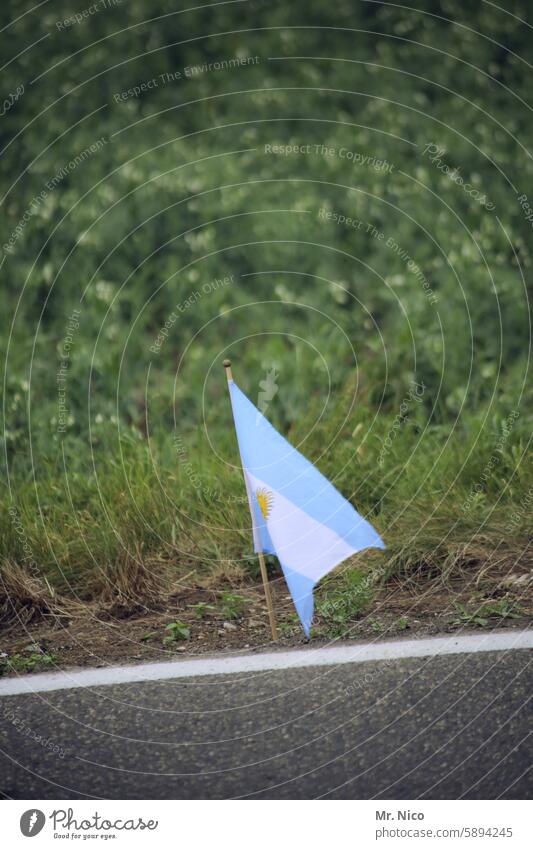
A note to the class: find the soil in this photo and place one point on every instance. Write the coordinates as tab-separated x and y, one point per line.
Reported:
118	634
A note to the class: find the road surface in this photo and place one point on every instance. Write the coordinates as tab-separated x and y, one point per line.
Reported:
433	719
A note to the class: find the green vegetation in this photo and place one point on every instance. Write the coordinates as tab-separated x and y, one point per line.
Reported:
290	625
34	661
232	606
150	635
146	237
502	609
340	606
202	609
178	631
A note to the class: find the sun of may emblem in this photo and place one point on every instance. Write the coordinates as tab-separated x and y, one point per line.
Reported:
265	500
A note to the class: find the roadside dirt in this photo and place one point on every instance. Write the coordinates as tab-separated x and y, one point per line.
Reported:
101	636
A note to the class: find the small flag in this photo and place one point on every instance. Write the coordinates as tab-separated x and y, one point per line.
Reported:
297	514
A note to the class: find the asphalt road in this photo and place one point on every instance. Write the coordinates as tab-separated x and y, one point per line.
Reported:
442	727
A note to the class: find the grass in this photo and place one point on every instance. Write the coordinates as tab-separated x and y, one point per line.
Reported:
132	503
142	529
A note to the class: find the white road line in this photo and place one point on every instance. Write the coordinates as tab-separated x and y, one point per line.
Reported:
296	659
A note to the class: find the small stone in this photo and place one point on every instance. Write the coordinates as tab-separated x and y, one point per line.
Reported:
516	580
523	579
229	626
254	623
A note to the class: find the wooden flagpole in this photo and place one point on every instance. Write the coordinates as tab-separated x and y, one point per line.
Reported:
262	564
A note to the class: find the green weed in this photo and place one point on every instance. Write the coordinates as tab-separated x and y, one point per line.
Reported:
149	636
201	609
33	662
231	605
177	631
340	606
289	625
480	616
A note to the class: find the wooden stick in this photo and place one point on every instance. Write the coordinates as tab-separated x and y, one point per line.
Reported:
268	596
260	554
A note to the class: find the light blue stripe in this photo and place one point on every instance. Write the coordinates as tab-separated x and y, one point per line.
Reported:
301	589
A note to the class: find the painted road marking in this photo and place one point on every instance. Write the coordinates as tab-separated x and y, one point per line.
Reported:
295	659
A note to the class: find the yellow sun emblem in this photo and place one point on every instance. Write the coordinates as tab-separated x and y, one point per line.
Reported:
265	500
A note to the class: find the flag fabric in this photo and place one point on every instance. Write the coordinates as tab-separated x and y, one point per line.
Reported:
297	514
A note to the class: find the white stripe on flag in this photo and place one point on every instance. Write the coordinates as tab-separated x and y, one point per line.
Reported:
302	544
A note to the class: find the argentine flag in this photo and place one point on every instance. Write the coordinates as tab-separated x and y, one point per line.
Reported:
297	514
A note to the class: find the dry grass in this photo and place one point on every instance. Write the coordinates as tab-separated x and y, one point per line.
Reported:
134	577
25	597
